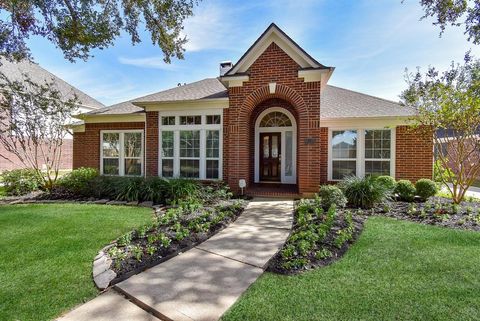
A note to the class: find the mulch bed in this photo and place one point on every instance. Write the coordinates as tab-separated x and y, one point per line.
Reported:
130	266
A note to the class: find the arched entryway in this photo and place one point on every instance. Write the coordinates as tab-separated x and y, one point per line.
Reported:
275	147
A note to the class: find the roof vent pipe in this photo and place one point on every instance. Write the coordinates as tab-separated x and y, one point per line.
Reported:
225	66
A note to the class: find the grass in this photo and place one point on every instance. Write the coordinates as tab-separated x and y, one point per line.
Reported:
47	252
397	270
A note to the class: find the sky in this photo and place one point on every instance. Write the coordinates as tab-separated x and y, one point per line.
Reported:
369	42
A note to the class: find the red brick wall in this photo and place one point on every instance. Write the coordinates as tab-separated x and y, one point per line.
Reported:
274	65
86	145
12	161
414	154
152	144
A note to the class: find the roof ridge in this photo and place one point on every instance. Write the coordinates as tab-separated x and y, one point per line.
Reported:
375	97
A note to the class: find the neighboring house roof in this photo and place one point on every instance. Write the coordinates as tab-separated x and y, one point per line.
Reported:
337	102
14	72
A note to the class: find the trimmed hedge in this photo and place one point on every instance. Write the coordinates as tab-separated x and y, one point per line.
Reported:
406	190
426	188
331	195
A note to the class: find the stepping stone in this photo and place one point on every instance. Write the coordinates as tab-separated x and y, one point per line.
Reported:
109	306
195	285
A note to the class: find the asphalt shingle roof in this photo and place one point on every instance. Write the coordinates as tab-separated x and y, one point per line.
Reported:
37	74
335	102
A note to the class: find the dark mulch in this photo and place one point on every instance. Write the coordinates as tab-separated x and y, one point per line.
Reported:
436	211
130	266
327	243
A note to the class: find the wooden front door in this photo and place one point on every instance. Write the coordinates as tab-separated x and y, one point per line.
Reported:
270	157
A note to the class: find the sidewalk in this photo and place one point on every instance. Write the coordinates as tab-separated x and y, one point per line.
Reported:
202	283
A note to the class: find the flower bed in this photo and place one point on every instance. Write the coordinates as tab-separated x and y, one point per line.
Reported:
435	211
173	230
318	237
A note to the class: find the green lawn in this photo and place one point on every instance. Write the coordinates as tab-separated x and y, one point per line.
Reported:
47	251
396	271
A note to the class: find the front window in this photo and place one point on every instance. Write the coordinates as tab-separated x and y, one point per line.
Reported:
344	153
122	153
377	152
192	148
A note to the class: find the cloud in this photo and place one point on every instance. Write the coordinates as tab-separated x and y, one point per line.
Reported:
148	62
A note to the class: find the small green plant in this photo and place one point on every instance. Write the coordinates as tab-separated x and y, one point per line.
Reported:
297	263
151	249
387	181
426	188
412	209
181	233
405	190
288	252
21	181
164	240
364	192
152	238
455	208
118	256
136	252
142	231
125	239
323	254
331	195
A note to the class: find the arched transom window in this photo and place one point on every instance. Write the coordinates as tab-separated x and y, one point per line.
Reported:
275	119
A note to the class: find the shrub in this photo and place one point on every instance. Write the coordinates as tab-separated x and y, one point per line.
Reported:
426	188
405	190
387	181
79	181
21	181
180	189
130	189
364	192
331	195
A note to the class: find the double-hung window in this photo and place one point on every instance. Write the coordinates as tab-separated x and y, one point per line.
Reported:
191	145
361	152
122	153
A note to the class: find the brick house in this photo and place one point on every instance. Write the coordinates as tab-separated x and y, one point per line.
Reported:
15	71
270	120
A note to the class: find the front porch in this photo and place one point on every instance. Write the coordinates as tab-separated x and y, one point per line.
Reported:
274	190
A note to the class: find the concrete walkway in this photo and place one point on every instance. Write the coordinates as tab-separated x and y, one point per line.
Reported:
202	283
473	191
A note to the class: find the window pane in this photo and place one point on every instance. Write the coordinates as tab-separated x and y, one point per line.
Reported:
377	144
213	119
213	143
340	169
377	168
133	144
190	168
275	119
111	144
288	153
167	144
190	120
344	144
212	169
167	167
168	120
189	143
110	166
133	167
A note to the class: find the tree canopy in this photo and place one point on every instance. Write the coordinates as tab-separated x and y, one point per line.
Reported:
455	13
449	104
78	26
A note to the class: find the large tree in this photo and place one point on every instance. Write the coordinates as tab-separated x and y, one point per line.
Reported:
455	13
449	103
33	118
78	26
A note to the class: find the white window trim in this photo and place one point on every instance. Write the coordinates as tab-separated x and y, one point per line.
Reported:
361	150
176	140
284	179
121	156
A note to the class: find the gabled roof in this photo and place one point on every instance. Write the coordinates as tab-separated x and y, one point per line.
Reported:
274	34
15	70
209	88
338	103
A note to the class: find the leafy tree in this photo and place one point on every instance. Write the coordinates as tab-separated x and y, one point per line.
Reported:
78	26
33	118
455	13
449	103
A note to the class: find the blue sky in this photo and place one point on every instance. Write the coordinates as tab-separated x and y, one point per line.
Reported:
370	42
